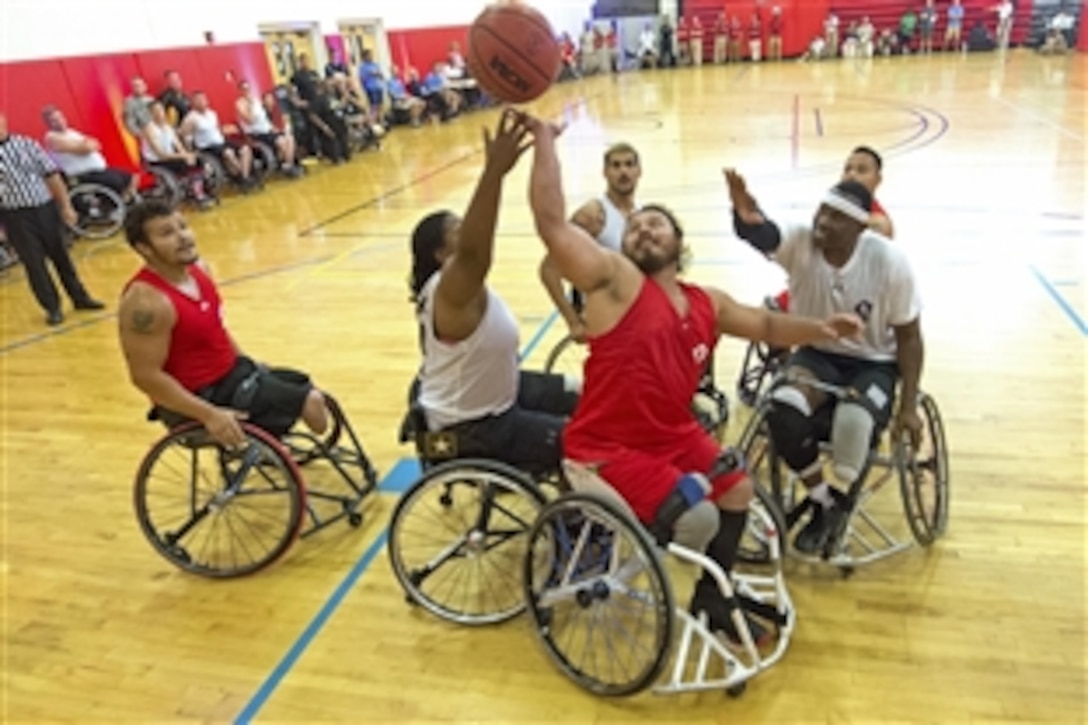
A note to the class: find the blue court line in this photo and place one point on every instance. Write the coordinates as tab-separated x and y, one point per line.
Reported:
1057	297
399	478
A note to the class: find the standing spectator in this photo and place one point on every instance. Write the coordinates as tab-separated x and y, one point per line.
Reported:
736	30
136	110
305	79
927	22
667	57
612	42
34	207
174	99
683	41
908	25
755	37
373	82
721	38
774	42
697	36
866	31
1004	24
336	64
953	34
647	53
831	35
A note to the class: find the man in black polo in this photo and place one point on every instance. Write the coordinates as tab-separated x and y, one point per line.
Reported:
34	207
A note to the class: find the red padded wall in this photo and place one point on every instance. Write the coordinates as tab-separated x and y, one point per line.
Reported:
424	47
26	87
100	84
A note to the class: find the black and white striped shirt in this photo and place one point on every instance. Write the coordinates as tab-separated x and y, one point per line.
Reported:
23	168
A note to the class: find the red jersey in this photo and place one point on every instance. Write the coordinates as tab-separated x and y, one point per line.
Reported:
876	208
776	24
641	376
682	33
696	30
200	348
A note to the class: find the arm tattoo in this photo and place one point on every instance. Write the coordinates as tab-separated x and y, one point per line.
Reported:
143	321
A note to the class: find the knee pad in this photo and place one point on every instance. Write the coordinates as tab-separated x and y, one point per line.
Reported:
791	427
697	526
851	434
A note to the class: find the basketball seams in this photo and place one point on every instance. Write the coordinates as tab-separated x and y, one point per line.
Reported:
530	64
531	17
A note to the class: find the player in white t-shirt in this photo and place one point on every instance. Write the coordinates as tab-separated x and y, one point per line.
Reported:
837	264
470	382
605	219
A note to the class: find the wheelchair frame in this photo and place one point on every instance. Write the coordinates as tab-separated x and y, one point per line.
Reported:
87	199
597	504
287	455
925	526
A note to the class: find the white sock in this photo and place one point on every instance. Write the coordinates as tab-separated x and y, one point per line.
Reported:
822	494
572	384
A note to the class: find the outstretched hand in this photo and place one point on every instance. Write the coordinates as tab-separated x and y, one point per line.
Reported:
509	143
743	203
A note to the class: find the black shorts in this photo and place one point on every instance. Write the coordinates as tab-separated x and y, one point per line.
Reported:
268	139
874	380
115	179
220	150
272	397
528	435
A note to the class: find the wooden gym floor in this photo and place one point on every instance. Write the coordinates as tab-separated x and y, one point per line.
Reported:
985	180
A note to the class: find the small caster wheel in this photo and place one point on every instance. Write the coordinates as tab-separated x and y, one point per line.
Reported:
847	571
446	499
737	690
355	519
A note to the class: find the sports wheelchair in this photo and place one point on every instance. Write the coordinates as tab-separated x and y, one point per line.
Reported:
457	535
197	185
858	537
100	211
761	363
220	513
710	405
590	562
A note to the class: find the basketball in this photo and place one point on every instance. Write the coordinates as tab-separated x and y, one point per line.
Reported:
512	52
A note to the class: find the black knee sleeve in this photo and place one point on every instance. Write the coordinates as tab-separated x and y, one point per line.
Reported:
793	435
723	547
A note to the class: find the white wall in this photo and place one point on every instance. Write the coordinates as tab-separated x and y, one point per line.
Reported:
33	29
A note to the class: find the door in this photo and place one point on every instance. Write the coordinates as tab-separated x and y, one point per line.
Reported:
284	48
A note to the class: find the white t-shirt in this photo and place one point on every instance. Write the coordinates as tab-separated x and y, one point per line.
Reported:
877	283
74	164
471	378
205	125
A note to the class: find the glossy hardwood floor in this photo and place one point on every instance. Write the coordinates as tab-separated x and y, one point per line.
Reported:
985	179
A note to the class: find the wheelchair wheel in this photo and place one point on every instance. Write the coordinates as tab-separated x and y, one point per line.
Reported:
457	540
568	357
923	476
166	187
100	211
264	160
761	363
600	600
218	513
215	175
766	524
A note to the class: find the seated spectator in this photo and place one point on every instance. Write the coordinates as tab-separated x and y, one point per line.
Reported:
436	86
80	156
201	127
160	146
887	42
850	40
459	81
255	123
330	127
406	108
567	54
647	47
865	37
335	64
908	25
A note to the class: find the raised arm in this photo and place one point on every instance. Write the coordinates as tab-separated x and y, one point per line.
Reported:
749	222
591	218
146	320
778	330
463	274
577	256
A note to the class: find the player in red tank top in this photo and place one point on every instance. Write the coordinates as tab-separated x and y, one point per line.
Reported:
179	352
650	336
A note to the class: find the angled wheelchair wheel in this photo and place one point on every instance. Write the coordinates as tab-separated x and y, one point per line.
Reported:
215	174
923	476
265	162
100	211
166	187
218	513
599	597
457	540
568	357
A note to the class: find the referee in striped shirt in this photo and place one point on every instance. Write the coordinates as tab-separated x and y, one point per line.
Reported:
34	207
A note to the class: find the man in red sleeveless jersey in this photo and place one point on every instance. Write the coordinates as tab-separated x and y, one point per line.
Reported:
179	352
650	336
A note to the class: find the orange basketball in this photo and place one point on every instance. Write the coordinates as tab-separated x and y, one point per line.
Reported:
512	52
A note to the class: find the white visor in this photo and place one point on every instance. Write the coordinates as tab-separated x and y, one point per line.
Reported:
849	207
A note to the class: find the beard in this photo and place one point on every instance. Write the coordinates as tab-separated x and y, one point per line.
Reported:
651	262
